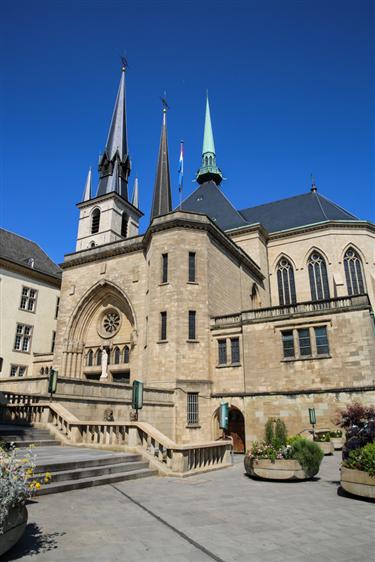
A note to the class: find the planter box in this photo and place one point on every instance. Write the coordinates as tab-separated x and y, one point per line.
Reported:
279	470
337	442
326	447
358	482
15	526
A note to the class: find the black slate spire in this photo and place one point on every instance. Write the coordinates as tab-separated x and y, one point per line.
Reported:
162	199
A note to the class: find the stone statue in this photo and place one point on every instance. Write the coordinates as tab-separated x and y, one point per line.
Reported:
104	374
108	415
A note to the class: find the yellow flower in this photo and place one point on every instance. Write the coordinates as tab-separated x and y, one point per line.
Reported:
38	485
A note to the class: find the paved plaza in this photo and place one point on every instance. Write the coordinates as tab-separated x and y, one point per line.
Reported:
223	516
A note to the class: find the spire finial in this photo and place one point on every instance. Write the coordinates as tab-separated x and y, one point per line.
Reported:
314	189
135	193
87	191
124	63
208	170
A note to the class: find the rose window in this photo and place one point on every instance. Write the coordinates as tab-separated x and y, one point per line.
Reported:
111	322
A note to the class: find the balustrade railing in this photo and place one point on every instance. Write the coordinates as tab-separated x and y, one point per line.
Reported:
169	457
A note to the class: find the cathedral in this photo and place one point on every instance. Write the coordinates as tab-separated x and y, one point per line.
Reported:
267	308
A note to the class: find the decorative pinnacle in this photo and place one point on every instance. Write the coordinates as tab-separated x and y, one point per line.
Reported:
313	184
124	63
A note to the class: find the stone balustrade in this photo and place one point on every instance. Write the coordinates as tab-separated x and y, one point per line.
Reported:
164	454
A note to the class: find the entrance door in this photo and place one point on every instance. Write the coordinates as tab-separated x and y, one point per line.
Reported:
236	429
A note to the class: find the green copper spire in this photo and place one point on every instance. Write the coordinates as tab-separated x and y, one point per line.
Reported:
208	170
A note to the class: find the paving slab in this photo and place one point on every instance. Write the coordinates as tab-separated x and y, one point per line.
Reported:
223	516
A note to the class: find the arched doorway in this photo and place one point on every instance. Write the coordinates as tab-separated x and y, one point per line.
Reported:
236	429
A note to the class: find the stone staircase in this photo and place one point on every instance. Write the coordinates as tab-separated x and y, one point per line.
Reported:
26	435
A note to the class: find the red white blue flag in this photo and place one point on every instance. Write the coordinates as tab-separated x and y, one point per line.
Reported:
181	168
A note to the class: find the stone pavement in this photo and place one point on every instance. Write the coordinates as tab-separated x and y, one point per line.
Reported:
222	516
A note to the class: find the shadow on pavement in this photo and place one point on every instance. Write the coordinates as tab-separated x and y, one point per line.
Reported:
33	541
344	494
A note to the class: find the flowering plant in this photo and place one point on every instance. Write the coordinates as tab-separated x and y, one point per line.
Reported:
362	459
17	482
323	437
268	451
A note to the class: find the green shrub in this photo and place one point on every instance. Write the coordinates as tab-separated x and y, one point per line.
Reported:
336	433
308	454
269	435
323	437
362	459
281	435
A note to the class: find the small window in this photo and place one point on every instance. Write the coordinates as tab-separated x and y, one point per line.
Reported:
116	356
163	326
192	317
28	299
321	338
95	221
222	347
13	370
18	370
288	343
99	357
191	267
164	274
126	354
53	342
57	307
22	340
124	225
235	350
192	408
304	342
90	358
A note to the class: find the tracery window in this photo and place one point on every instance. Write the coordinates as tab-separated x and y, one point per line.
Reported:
116	356
126	354
285	282
95	221
89	358
353	272
319	285
99	357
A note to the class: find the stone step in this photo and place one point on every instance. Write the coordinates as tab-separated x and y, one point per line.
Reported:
57	466
24	436
56	487
92	472
35	443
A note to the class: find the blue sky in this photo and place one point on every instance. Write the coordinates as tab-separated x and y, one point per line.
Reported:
291	86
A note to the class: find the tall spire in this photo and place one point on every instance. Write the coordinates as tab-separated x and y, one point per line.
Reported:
135	194
87	192
162	200
116	149
208	170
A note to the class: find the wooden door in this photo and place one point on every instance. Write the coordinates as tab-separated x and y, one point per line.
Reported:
236	430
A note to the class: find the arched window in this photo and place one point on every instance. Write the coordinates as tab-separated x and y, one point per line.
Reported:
99	357
124	225
353	272
285	282
42	371
92	245
319	285
95	221
206	160
210	160
126	354
46	370
89	358
116	356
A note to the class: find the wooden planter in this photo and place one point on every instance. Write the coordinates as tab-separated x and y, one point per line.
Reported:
279	470
15	526
337	442
326	447
358	482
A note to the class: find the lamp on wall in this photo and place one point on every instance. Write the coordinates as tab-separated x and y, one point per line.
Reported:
312	417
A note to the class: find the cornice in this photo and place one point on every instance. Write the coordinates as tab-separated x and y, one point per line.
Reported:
16	267
106	196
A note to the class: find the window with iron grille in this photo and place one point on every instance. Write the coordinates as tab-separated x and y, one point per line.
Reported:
235	350
288	343
191	267
95	221
22	340
164	274
192	317
163	326
222	348
28	299
192	408
53	342
321	338
57	307
304	342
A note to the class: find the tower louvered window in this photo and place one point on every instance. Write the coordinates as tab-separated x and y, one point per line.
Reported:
95	222
285	282
124	225
318	277
353	272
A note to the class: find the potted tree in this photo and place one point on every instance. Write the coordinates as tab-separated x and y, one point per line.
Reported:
358	466
279	458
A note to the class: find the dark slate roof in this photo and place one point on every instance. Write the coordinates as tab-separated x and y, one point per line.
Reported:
301	210
209	199
19	249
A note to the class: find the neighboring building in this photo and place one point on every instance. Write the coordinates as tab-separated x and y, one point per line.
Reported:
29	300
267	308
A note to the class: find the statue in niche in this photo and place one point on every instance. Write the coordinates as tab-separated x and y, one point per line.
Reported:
104	374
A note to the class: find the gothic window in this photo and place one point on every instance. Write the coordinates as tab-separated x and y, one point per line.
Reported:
124	225
210	160
285	281
116	356
126	354
89	358
353	272
95	221
99	357
318	277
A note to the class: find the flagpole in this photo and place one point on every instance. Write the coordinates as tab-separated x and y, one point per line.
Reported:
181	172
